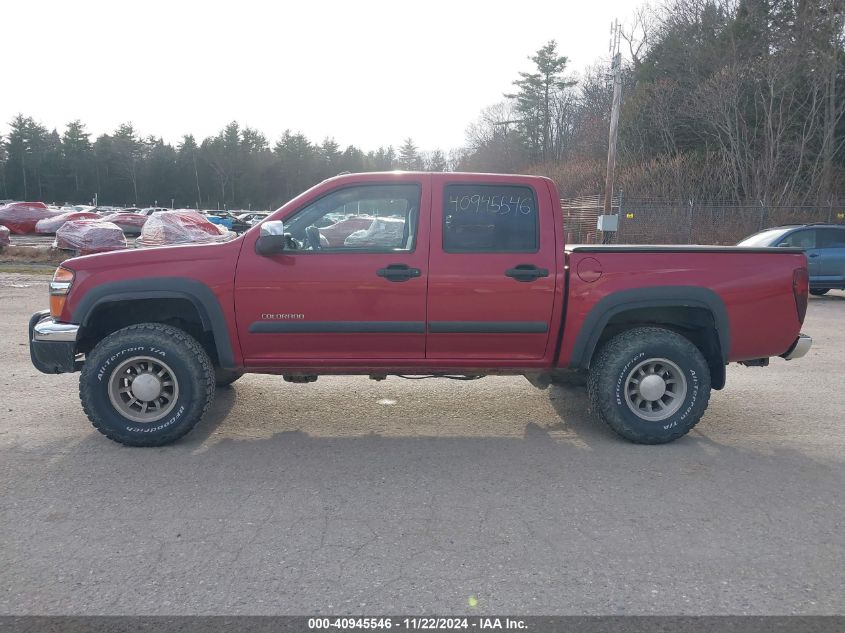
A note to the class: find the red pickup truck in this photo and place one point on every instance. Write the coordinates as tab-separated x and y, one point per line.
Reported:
455	275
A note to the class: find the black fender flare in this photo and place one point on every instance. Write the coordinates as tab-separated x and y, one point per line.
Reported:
652	297
199	294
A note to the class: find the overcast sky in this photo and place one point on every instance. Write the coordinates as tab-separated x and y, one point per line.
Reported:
366	72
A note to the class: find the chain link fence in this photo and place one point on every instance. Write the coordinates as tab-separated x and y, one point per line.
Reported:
580	216
660	222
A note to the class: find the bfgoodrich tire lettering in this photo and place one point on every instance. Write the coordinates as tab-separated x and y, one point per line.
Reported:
185	359
679	371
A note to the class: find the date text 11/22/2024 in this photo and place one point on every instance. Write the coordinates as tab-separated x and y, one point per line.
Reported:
417	623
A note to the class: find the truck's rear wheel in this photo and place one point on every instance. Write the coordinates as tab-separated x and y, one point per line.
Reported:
818	292
650	385
146	385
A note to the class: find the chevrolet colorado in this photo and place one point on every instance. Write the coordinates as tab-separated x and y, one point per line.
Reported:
446	274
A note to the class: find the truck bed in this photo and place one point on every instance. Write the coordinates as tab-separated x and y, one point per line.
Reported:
748	289
673	248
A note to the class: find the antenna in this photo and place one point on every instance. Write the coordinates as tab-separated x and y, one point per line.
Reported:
615	36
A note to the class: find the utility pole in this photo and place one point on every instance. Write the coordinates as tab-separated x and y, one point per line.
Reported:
23	169
616	70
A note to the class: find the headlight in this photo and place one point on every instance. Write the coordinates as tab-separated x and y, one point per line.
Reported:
59	287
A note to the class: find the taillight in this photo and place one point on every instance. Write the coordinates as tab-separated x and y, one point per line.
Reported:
801	289
59	287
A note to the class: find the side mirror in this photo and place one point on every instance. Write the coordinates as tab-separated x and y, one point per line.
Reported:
271	241
784	244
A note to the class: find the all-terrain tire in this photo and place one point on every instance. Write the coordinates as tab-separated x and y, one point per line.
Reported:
225	377
108	377
617	366
818	292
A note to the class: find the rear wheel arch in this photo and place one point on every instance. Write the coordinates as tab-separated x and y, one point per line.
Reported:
698	314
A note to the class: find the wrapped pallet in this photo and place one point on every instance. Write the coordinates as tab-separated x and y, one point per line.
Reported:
90	236
48	226
167	228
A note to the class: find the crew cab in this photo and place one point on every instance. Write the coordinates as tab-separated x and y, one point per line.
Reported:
448	274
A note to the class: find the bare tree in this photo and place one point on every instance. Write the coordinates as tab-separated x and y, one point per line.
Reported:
637	33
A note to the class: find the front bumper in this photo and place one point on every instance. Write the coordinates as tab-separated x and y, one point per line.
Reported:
799	348
52	345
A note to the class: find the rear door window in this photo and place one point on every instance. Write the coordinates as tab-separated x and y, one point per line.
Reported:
490	219
832	238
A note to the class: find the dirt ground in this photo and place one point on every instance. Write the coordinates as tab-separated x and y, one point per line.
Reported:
352	496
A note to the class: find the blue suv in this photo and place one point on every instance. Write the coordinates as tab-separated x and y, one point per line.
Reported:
824	245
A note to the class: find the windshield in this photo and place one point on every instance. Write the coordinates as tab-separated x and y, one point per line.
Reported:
765	238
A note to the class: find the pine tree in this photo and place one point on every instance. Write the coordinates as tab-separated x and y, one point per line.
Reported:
436	161
408	157
78	155
330	154
188	169
128	152
537	92
297	159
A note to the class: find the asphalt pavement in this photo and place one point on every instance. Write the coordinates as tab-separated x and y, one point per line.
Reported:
421	497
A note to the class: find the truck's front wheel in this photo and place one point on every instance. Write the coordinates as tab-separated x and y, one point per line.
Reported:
650	385
146	385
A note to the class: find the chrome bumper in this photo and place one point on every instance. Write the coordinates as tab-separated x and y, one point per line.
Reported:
799	348
52	345
48	329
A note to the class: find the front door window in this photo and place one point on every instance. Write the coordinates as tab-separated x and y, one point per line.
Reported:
366	218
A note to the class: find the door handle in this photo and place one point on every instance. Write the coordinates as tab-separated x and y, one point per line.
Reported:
526	272
813	255
398	272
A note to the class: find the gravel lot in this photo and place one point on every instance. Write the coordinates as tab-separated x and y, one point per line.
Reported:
349	495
